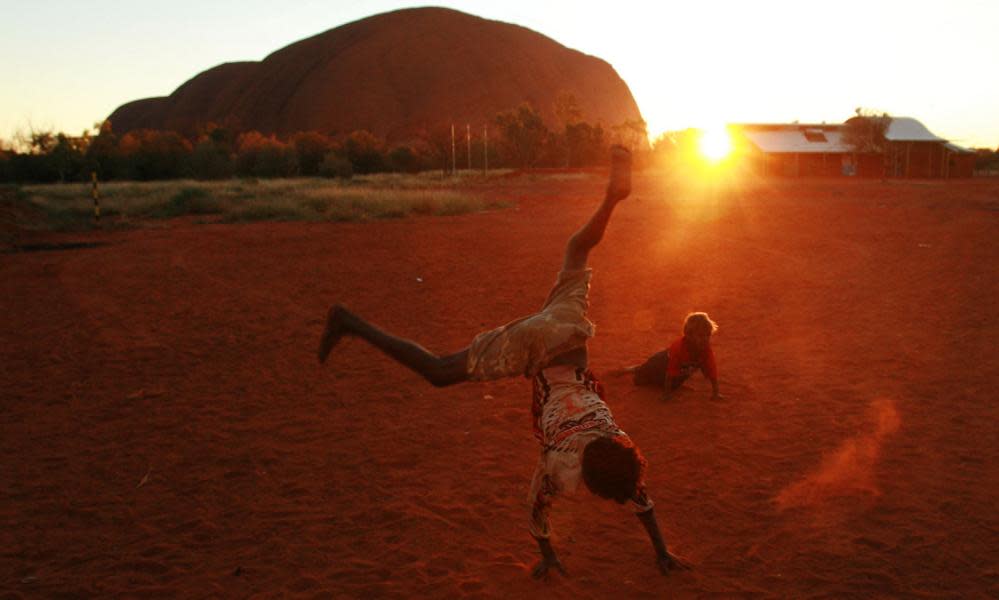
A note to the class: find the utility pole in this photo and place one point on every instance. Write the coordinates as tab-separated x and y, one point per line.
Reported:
468	141
452	150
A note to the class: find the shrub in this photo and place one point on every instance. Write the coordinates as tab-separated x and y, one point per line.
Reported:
404	159
188	201
334	165
310	150
210	160
261	156
6	171
147	154
364	151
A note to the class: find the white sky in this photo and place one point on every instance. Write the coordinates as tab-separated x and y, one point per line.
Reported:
67	64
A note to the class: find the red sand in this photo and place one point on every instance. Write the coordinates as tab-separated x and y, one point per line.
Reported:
165	429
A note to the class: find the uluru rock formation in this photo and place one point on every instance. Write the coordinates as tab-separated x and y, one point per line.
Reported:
393	74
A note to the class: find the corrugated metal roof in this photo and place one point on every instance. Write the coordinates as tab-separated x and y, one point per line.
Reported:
795	140
801	138
958	149
907	129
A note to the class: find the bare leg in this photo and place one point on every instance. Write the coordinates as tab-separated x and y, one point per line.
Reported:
438	370
589	235
577	250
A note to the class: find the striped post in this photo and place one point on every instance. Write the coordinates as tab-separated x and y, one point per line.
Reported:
96	196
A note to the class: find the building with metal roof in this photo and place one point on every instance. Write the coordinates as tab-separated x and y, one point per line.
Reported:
910	150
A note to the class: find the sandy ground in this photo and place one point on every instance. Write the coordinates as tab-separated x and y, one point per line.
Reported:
165	429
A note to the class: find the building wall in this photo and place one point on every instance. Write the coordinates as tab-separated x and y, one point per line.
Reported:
961	165
911	160
927	160
819	164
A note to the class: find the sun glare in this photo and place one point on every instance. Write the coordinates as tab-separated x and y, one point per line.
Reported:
715	143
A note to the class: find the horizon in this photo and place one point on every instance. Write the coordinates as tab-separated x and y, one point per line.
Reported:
70	66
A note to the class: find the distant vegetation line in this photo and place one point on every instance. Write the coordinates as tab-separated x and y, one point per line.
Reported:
517	138
56	207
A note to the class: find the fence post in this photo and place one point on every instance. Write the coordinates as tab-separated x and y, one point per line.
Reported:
96	196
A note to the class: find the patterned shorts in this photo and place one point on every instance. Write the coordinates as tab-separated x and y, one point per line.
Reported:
525	346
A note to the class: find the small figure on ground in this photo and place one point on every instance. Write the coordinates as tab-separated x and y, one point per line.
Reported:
668	369
578	435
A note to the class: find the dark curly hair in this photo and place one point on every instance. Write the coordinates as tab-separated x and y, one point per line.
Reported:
613	467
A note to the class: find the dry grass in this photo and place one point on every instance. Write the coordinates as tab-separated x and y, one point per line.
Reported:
68	207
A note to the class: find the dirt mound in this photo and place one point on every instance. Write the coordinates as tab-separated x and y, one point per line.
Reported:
393	74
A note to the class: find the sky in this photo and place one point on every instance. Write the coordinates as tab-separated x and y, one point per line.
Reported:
67	64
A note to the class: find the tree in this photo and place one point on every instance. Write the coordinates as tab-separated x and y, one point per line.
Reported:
437	142
334	165
149	154
585	144
569	114
632	134
524	133
103	154
211	160
68	155
310	149
987	161
365	151
6	164
264	156
866	132
407	158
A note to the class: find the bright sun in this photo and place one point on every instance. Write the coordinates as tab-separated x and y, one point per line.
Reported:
715	143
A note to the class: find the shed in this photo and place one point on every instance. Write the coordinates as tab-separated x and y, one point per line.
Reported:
802	149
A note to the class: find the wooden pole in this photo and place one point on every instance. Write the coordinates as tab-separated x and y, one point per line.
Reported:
452	150
468	141
95	194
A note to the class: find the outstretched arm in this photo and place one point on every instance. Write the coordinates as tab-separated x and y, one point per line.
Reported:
589	235
665	560
540	528
710	370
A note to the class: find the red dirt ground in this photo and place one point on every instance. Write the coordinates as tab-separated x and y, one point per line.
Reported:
165	429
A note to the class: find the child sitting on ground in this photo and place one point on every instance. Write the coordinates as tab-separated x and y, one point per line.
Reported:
668	369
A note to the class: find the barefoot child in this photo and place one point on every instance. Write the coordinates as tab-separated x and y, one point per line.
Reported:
578	435
668	369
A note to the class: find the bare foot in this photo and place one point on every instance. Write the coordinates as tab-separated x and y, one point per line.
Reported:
619	185
332	334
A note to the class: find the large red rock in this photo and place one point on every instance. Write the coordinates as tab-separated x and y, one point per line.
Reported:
393	74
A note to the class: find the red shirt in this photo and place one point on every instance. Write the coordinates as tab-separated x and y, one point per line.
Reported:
682	363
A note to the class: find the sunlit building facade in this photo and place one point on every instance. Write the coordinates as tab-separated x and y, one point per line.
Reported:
910	150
